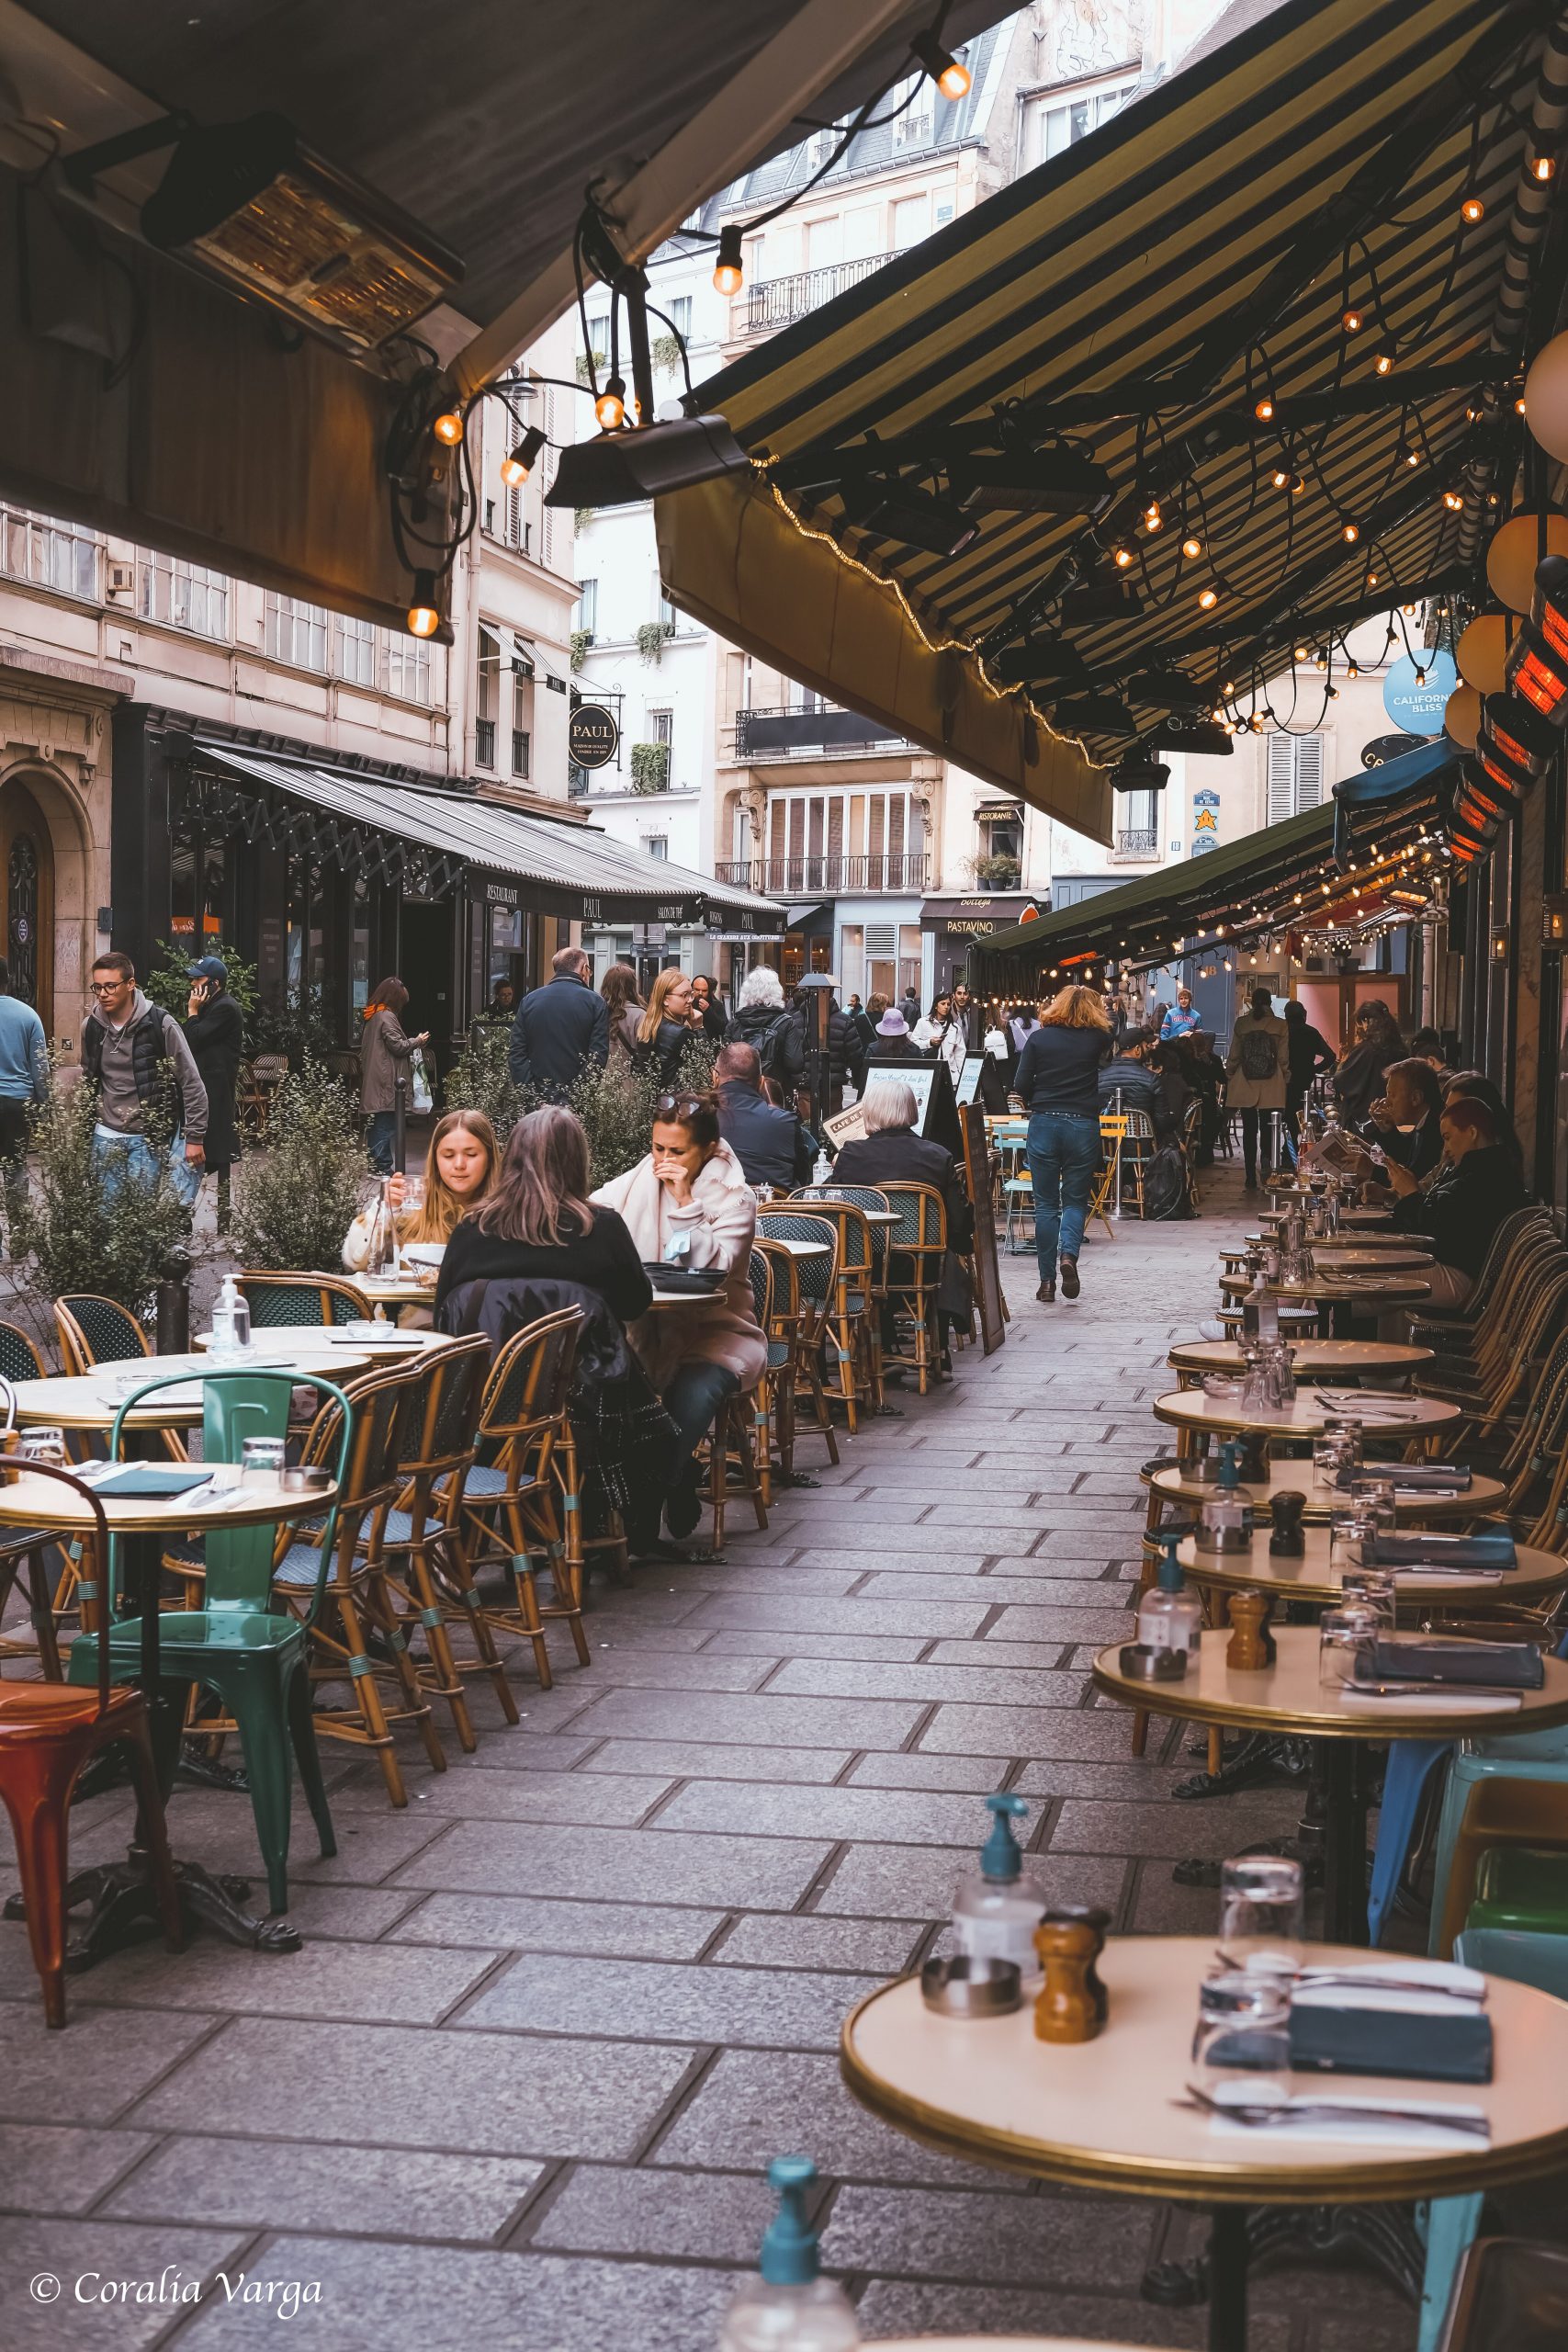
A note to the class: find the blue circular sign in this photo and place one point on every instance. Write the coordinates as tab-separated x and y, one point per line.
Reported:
1418	708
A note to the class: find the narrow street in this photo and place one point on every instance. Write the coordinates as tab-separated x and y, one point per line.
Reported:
550	2024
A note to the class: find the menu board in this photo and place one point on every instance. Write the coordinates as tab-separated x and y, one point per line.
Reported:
969	1078
919	1076
987	1272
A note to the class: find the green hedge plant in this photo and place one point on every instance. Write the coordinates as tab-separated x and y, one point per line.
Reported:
298	1198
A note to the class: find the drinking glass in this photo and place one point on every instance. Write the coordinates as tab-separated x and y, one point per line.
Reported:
44	1443
1353	1535
1343	1634
413	1193
262	1459
1244	2024
1377	1502
1262	1899
1371	1588
1330	1456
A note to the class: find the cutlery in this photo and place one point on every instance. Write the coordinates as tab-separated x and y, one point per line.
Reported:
1356	1978
1262	2113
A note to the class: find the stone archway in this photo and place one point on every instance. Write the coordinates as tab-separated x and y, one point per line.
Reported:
26	912
47	875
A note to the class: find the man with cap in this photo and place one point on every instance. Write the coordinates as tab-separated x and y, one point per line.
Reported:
215	1031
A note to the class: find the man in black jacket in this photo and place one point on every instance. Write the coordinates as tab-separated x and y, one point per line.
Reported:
559	1029
1137	1084
1465	1204
770	1145
215	1031
846	1047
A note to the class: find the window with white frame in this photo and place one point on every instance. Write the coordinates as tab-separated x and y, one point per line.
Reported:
656	844
353	649
1055	120
678	311
182	595
408	666
661	726
1295	774
588	605
599	336
668	616
48	554
911	110
295	632
488	698
522	716
911	221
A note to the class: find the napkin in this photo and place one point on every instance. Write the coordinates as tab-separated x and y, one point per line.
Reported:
1490	1547
1428	2123
1441	1657
1432	1702
1363	2025
1410	1478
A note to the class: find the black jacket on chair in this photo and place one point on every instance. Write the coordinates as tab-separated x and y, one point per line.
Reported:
559	1029
898	1155
1464	1207
1140	1091
770	1145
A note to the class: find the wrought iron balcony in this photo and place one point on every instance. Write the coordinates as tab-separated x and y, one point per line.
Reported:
785	733
820	878
774	302
1142	843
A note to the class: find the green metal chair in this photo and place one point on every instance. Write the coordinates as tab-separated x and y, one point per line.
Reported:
252	1657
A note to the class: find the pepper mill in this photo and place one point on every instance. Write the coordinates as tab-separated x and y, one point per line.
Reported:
1073	2003
1251	1646
1287	1541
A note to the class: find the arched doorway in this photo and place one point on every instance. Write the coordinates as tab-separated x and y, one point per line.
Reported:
27	875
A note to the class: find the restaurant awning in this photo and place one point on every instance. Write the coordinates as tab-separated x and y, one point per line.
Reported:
1261	268
433	840
1250	886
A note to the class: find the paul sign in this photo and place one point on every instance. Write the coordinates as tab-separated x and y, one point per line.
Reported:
593	736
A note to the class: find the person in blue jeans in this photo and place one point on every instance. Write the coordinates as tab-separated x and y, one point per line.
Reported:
1057	1083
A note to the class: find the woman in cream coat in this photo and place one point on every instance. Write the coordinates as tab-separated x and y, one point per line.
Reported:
688	1204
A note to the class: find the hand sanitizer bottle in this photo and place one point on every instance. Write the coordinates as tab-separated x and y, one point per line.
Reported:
822	1173
997	1909
1225	1518
1261	1311
231	1318
1169	1617
791	2308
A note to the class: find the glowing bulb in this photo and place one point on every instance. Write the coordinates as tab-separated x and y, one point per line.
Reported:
1351	321
518	464
1152	517
1208	598
1371	580
1263	410
1413	456
1518	411
1453	501
1383	362
1192	547
609	408
729	272
1471	209
1352	669
1420	677
1300	653
1123	558
1321	664
448	428
1543	167
950	73
1350	533
423	616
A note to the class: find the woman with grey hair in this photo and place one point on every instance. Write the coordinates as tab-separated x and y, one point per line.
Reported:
891	1153
763	1021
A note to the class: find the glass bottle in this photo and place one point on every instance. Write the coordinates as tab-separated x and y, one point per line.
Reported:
1224	1516
231	1318
1261	1310
997	1909
1169	1617
791	2308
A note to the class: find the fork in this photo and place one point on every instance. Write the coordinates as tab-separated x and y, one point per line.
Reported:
1356	1978
1260	2114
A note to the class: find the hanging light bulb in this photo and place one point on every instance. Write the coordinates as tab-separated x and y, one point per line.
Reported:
1453	499
1383	362
1192	547
1208	598
1371	580
1122	557
1420	677
1412	458
1543	168
1333	693
1300	653
950	73
423	614
1351	321
1471	209
729	272
448	428
1263	410
516	466
1350	533
1321	664
1280	477
1152	517
1352	669
609	408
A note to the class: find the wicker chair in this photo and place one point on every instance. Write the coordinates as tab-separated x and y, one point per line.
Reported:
916	1246
854	1337
795	1344
281	1300
522	1497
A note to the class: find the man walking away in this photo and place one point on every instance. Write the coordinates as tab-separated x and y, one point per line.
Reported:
24	1083
135	1055
1257	1072
1312	1056
770	1145
215	1031
561	1029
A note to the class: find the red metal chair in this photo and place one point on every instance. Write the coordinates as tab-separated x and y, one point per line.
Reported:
47	1732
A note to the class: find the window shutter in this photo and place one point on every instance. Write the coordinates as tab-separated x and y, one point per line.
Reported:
1281	777
1309	771
882	941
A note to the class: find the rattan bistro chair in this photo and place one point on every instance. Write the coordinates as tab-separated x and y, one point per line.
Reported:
853	1341
521	1496
916	1246
279	1302
814	1283
94	1331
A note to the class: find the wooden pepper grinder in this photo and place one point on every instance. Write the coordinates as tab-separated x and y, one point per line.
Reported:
1287	1541
1072	2005
1251	1646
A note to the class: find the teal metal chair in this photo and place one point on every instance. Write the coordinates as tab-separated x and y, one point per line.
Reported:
1452	2223
254	1658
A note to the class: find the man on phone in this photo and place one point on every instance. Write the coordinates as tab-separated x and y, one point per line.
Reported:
215	1031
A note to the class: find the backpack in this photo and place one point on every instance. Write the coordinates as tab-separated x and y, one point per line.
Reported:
1260	1055
771	1049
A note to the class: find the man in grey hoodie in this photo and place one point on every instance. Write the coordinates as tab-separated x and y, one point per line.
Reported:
136	1055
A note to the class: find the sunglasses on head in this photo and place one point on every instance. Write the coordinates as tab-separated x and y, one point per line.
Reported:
684	1106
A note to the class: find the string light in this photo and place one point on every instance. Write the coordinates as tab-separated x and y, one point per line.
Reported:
950	73
448	428
1383	362
609	408
516	466
1122	557
1208	598
1192	547
1543	167
423	616
1350	533
1263	410
1471	209
1152	517
1280	477
1453	499
1352	321
730	271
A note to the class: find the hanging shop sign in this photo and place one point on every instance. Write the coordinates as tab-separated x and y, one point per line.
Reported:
1415	693
593	736
1205	821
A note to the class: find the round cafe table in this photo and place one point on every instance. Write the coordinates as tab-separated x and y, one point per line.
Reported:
1173	1483
1373	1293
406	1290
1382	1413
1312	1359
1402	1257
1288	1698
1309	1578
1109	2114
90	1400
1367	1219
120	1894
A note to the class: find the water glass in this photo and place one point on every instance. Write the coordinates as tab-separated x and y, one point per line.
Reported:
1223	1387
1377	1500
262	1459
1262	1899
1243	2022
1331	1454
1371	1588
44	1443
1353	1536
1343	1634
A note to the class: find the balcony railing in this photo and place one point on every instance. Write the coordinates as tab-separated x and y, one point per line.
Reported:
809	878
788	733
1142	843
774	302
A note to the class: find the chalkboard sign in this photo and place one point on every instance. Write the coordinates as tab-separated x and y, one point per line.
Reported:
969	1078
988	1274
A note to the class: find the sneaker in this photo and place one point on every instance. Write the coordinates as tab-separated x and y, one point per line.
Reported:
1046	1293
1070	1284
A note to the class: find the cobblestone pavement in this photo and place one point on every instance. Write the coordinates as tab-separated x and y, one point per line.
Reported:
552	2021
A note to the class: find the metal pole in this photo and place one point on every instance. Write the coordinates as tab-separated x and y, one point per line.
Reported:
400	1125
174	1306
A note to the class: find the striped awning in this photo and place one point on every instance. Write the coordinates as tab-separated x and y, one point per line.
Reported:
1270	882
1169	299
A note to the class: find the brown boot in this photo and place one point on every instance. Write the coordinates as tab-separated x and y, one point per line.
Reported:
1070	1284
1046	1293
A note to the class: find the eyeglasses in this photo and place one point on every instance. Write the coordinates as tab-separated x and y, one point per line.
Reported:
107	988
685	1106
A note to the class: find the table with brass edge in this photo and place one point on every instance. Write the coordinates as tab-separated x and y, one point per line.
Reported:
86	1400
405	1290
1310	1578
1348	1258
120	1893
1288	1697
1377	1292
1311	1358
1103	2114
1370	1218
1172	1482
1197	1414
